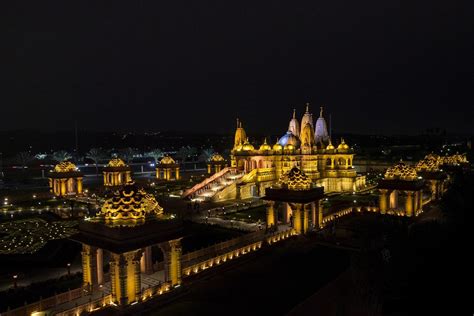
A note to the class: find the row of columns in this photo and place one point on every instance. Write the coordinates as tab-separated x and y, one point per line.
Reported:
114	178
64	186
217	168
348	162
300	213
167	173
390	200
126	269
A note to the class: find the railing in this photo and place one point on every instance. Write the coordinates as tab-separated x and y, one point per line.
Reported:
207	181
46	303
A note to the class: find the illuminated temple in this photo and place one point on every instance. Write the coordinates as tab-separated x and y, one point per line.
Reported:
306	144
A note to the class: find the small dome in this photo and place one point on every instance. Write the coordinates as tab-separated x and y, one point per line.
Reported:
247	146
343	145
330	146
216	158
130	203
265	146
289	147
116	162
277	147
65	166
295	179
289	139
167	160
401	171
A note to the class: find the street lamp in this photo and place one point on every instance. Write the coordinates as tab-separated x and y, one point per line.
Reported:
69	269
15	278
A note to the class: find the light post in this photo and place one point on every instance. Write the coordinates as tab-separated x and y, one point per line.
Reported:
69	269
15	278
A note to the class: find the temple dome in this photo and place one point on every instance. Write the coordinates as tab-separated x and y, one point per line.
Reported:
116	162
277	147
247	146
130	203
265	146
321	130
240	135
401	171
65	166
295	179
167	160
294	125
330	146
289	147
306	119
343	146
430	164
216	158
307	136
289	139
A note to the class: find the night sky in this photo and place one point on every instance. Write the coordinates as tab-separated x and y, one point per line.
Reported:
379	66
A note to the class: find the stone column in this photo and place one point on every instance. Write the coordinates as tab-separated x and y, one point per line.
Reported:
313	215
270	214
128	176
157	173
305	218
320	213
100	266
105	179
409	204
89	267
420	203
383	201
172	260
393	199
79	185
63	187
209	168
125	277
118	278
297	224
177	173
286	212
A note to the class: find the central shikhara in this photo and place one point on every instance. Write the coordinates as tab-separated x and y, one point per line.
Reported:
306	145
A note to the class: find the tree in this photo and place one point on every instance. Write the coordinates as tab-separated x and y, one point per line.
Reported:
206	154
61	155
155	154
128	153
95	154
24	158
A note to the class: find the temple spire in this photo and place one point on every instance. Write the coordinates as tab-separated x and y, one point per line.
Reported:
321	111
294	113
307	107
238	124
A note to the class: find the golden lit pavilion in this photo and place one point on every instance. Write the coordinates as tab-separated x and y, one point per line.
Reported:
167	168
65	179
401	191
129	226
117	173
306	144
216	163
298	199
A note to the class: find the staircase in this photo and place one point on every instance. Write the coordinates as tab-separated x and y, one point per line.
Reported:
213	185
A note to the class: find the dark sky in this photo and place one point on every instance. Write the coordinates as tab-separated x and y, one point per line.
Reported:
379	66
